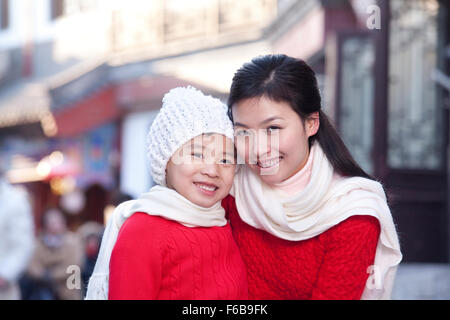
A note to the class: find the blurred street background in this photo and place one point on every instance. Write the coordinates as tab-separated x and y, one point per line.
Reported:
82	80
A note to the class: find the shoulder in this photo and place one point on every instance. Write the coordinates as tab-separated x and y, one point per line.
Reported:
141	226
355	229
359	222
140	237
140	221
15	200
228	202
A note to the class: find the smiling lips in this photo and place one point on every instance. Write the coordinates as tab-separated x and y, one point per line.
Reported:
269	163
210	189
206	188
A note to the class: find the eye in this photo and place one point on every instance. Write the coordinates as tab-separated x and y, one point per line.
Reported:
273	129
226	161
242	132
198	155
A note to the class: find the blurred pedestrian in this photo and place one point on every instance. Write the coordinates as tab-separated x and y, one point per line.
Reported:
57	251
117	197
16	238
91	235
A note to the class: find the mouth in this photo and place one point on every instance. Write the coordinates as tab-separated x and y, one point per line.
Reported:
206	188
269	163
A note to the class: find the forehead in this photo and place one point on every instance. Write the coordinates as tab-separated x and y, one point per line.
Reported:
261	107
212	141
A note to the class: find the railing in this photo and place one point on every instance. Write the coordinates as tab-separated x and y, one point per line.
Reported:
163	23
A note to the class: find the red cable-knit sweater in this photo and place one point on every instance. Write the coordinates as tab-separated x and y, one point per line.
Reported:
155	258
332	265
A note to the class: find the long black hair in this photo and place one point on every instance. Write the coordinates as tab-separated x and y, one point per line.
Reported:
285	79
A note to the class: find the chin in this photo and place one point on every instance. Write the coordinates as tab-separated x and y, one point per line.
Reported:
203	203
269	178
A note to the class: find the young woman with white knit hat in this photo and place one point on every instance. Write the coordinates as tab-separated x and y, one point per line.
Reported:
174	242
310	223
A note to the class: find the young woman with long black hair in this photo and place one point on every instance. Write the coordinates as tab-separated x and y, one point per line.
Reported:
309	222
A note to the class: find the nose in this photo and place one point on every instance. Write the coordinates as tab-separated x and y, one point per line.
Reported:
210	169
261	145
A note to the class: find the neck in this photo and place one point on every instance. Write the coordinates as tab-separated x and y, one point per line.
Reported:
299	180
300	167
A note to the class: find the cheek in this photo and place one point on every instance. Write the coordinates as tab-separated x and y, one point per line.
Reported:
295	153
227	175
289	145
179	175
293	141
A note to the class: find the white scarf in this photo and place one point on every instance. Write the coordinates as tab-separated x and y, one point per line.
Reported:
321	205
159	201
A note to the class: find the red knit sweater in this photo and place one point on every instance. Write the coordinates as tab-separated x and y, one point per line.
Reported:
332	265
155	258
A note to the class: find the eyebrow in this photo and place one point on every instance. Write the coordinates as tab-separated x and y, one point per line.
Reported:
271	119
238	124
261	123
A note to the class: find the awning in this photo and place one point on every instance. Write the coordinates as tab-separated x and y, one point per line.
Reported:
90	112
146	93
66	104
23	103
85	97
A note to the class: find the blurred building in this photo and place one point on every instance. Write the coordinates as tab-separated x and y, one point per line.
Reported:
81	81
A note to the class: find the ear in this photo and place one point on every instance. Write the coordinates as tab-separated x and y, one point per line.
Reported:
312	124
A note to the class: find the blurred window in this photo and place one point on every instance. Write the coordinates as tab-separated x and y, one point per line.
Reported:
185	19
57	7
415	126
4	14
356	97
61	8
235	14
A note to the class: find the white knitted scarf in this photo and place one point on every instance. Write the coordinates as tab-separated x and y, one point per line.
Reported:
159	201
321	205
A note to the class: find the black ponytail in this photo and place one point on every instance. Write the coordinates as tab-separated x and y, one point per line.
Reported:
335	150
286	79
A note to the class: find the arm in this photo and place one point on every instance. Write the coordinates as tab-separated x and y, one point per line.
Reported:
349	250
135	267
36	267
19	236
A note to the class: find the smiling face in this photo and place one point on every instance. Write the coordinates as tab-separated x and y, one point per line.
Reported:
202	170
272	138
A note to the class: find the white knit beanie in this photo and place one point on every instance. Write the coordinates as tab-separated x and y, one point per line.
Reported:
185	114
